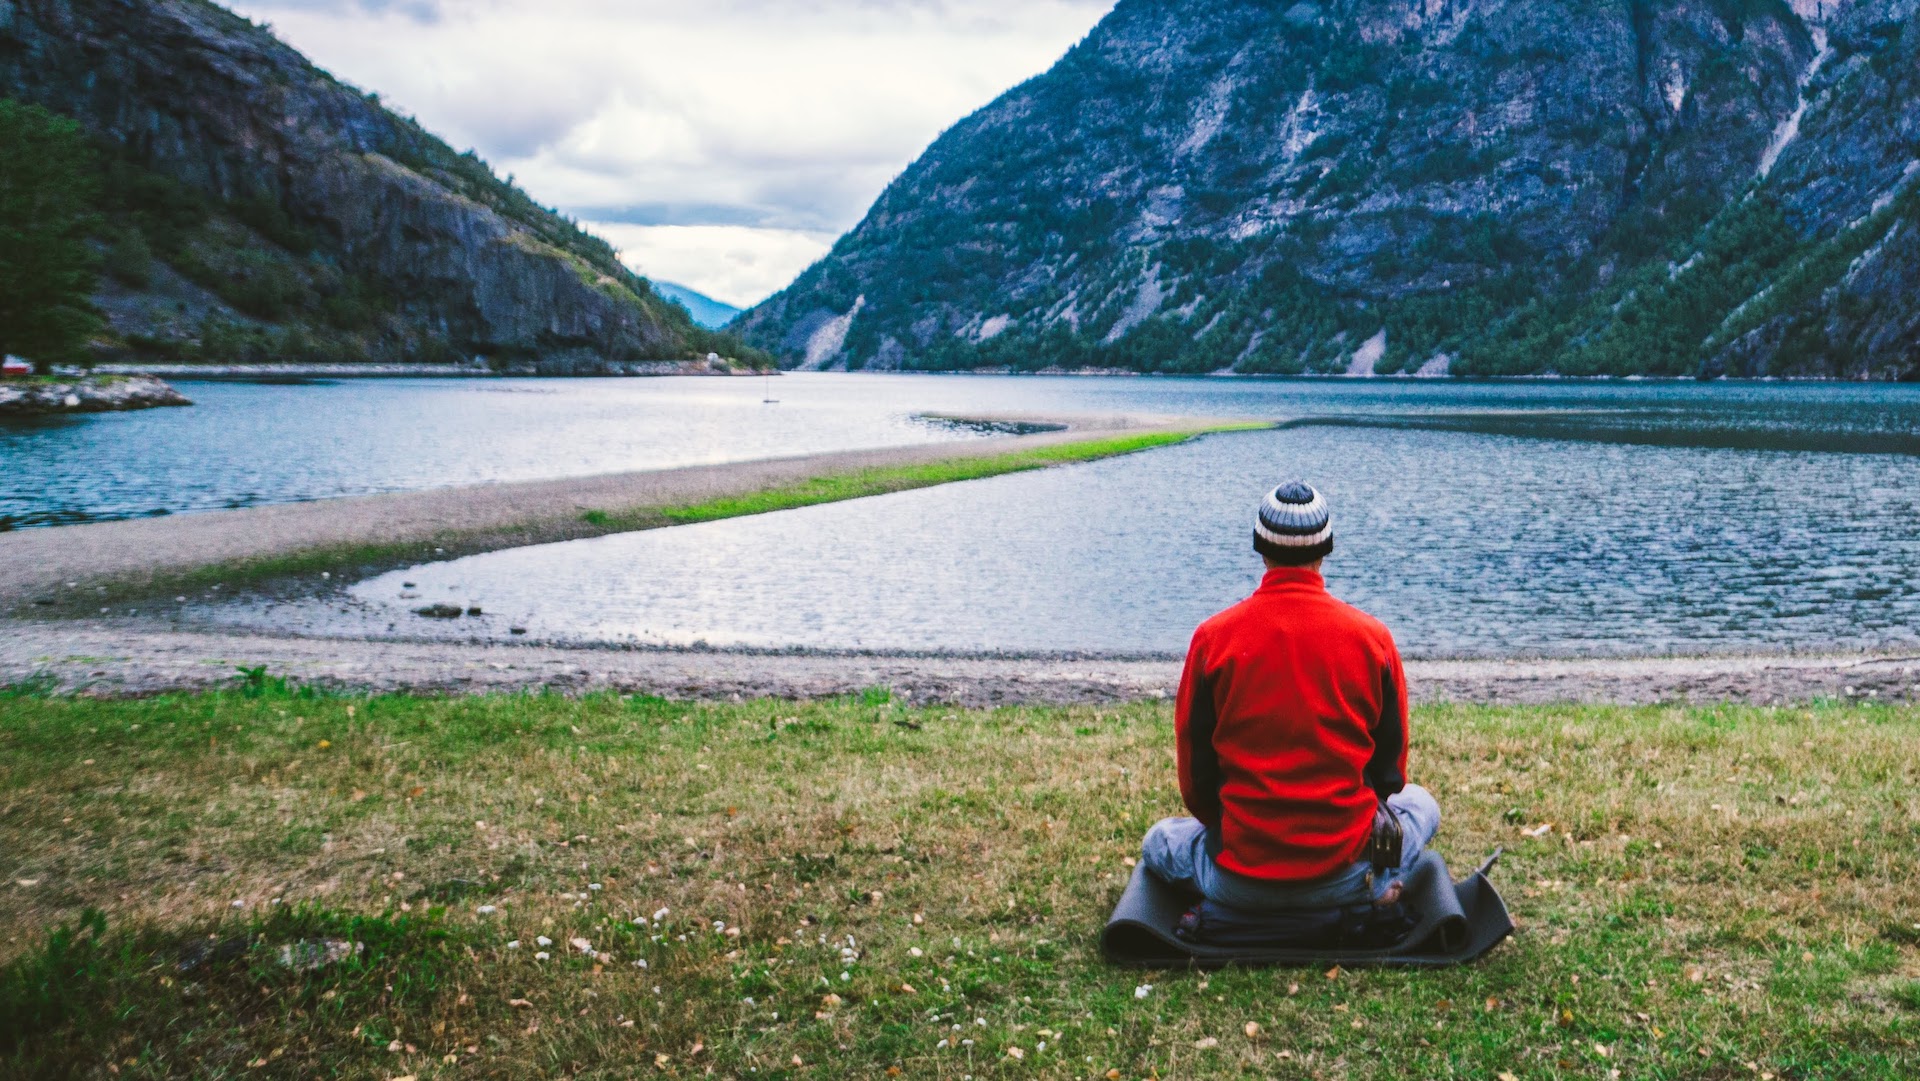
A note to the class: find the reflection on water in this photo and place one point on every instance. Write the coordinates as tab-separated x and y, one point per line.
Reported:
1465	543
251	443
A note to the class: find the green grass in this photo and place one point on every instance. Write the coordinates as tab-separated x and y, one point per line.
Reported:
81	379
302	569
835	487
1725	893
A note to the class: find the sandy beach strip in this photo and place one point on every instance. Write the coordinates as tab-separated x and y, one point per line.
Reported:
127	657
37	563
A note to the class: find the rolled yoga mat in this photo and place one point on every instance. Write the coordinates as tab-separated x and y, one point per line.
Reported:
1457	922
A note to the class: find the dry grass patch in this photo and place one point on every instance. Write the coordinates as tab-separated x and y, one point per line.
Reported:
775	889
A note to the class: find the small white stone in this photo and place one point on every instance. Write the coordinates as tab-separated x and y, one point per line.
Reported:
486	910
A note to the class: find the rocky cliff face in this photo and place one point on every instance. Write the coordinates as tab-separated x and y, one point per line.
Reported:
1379	186
255	202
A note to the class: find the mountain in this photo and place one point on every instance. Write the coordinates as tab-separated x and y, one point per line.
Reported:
1481	187
705	310
255	208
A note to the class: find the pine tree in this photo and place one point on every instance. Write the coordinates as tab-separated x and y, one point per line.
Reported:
47	181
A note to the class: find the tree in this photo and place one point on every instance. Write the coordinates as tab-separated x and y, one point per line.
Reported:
47	183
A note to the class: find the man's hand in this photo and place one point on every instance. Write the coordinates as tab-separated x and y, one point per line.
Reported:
1386	847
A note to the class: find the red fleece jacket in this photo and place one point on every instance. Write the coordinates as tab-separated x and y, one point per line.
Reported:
1292	726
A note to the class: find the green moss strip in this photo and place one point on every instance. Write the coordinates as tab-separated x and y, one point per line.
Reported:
834	487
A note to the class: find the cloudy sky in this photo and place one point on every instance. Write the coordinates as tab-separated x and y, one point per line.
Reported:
722	144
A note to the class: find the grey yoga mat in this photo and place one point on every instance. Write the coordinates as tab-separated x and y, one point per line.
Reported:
1458	922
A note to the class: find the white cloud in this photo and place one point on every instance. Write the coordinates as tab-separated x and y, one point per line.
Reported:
760	125
732	263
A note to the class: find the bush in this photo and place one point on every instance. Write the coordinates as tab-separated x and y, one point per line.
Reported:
130	260
226	342
262	285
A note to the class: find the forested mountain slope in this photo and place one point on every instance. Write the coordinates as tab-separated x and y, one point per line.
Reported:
1691	187
254	208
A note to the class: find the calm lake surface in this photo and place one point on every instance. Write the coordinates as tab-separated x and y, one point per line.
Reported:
243	444
1477	519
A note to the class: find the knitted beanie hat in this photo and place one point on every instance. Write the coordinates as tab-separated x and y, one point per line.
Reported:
1293	525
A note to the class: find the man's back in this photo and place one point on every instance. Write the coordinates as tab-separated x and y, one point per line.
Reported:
1292	727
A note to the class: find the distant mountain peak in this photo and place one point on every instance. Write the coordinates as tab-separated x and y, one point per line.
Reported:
705	310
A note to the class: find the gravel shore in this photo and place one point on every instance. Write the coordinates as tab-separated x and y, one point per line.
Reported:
116	658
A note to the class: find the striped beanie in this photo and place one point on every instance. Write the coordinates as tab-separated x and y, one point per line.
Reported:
1293	525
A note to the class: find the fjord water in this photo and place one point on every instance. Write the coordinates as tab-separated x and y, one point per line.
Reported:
1477	520
244	443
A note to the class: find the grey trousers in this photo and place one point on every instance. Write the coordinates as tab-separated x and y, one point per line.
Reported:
1182	851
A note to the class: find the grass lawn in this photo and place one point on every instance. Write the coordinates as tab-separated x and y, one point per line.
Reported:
860	888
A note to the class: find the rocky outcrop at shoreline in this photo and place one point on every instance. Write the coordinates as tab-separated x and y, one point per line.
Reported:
86	394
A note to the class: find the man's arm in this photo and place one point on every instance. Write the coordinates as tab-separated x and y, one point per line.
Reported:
1193	723
1386	771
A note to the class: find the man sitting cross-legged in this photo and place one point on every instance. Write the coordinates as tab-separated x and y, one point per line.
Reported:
1292	729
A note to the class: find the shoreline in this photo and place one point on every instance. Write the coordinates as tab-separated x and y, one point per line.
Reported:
72	569
647	369
698	369
134	658
485	630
